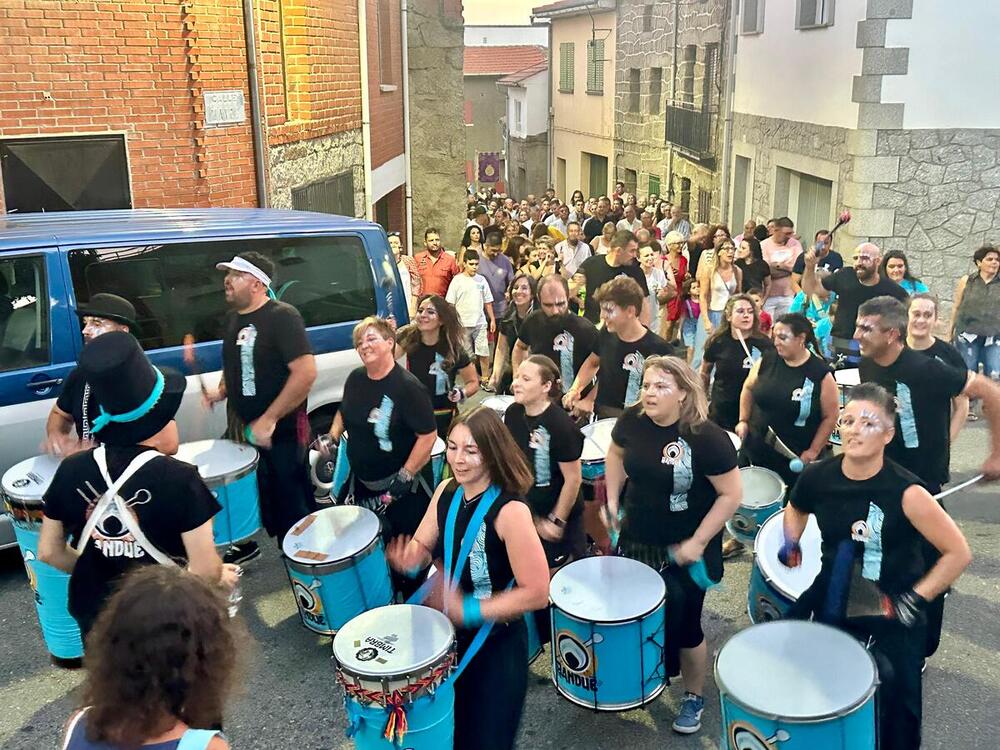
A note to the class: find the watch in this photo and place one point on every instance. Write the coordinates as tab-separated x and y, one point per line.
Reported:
553	518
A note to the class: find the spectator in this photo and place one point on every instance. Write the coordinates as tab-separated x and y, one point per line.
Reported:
677	262
619	261
436	267
698	242
690	314
896	268
408	274
748	226
473	300
573	250
828	260
629	221
593	226
678	223
720	280
558	223
161	663
471	240
975	324
766	321
648	223
602	243
756	272
661	289
780	250
498	271
523	302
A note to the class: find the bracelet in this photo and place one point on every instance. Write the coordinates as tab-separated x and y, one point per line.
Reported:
412	572
553	518
472	615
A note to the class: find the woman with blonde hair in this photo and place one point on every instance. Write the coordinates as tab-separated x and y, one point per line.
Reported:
683	485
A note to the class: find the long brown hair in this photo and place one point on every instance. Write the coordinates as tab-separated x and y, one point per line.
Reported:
450	336
726	325
504	461
163	649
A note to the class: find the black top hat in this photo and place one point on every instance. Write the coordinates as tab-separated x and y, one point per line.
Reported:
136	400
110	307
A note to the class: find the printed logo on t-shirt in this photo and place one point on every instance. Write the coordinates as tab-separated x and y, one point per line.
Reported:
869	533
479	569
748	362
678	455
633	364
246	339
111	536
804	397
563	343
441	377
381	416
539	441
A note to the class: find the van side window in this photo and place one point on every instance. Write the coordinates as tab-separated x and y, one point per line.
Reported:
24	313
177	290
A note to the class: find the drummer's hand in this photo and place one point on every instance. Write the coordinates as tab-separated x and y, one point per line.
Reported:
452	605
991	468
395	553
611	518
210	397
688	552
62	445
584	408
262	429
742	429
570	399
231	575
548	530
808	455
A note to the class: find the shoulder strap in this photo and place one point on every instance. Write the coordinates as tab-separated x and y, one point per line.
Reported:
196	739
72	727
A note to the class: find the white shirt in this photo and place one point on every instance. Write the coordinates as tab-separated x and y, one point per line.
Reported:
469	295
404	279
556	223
623	225
572	257
656	280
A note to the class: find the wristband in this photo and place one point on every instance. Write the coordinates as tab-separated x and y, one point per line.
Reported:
553	518
472	615
413	572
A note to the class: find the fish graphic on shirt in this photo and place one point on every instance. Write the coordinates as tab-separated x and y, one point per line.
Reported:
678	455
381	416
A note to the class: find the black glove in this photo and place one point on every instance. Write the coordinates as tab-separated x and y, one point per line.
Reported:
401	484
908	608
456	395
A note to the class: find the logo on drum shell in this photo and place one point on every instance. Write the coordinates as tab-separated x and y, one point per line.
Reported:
366	654
766	610
744	736
310	605
29	557
576	662
23	482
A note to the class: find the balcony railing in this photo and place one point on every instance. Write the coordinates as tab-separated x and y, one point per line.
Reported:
691	130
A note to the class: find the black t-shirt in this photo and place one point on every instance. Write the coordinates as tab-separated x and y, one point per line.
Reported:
510	325
565	339
668	493
732	365
753	274
944	352
593	227
427	364
167	496
598	273
923	388
831	262
256	351
867	517
383	418
488	569
622	362
788	399
71	401
546	440
851	294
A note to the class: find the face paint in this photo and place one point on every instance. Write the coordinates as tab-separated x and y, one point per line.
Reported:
658	387
610	311
867	423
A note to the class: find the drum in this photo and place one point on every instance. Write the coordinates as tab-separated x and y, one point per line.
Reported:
773	587
336	566
798	686
596	441
230	471
763	495
608	620
394	663
437	461
498	403
24	486
846	379
534	638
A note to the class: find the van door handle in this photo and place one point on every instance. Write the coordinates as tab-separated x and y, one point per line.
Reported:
41	385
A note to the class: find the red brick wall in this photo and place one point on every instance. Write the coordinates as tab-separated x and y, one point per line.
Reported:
386	106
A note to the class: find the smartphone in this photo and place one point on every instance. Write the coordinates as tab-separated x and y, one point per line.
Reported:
820	246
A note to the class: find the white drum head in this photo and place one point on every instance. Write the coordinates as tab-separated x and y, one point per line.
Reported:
761	487
393	641
851	376
607	589
498	403
29	479
792	582
795	670
439	447
331	534
217	458
597	439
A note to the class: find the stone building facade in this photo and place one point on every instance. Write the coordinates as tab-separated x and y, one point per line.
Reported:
668	123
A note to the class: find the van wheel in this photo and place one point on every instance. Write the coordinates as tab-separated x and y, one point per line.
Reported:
320	420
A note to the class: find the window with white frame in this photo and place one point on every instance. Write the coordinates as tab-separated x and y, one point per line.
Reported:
518	116
813	14
751	16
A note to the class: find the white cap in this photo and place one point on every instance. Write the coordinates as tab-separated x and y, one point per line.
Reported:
244	266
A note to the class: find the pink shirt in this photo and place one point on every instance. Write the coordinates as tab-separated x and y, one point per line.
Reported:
775	253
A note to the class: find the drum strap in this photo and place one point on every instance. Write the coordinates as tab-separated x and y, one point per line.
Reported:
111	497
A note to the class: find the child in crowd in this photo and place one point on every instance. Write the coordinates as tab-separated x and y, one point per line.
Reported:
577	294
470	294
766	321
690	313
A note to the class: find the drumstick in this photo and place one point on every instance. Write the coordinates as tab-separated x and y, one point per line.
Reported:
743	343
191	360
794	463
957	487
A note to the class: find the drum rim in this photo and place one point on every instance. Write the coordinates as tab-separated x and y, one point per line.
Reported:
591	621
333	566
767	577
12	493
410	672
220	480
851	708
608	707
776	475
361	552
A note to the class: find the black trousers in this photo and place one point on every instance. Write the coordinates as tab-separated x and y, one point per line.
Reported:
286	493
489	695
935	608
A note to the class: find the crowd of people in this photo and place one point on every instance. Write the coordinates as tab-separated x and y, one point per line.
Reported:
608	308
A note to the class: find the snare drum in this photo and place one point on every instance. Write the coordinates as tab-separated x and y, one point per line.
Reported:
230	471
846	379
336	566
596	442
773	587
394	663
24	486
763	494
798	686
498	403
608	620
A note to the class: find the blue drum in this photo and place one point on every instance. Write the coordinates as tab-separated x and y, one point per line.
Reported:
230	471
773	587
763	496
394	663
846	380
608	620
24	486
798	686
596	441
534	638
336	566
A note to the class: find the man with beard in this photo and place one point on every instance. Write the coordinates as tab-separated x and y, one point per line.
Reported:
853	287
572	251
267	371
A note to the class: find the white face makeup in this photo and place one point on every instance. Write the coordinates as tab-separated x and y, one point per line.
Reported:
463	455
94	327
372	346
660	393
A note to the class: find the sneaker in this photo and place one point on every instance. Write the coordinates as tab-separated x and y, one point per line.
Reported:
732	548
688	721
244	552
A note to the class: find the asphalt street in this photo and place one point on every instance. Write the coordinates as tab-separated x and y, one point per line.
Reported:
289	699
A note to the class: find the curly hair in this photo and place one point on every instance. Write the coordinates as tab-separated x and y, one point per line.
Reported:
163	649
451	335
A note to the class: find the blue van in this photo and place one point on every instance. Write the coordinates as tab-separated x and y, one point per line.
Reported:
333	269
